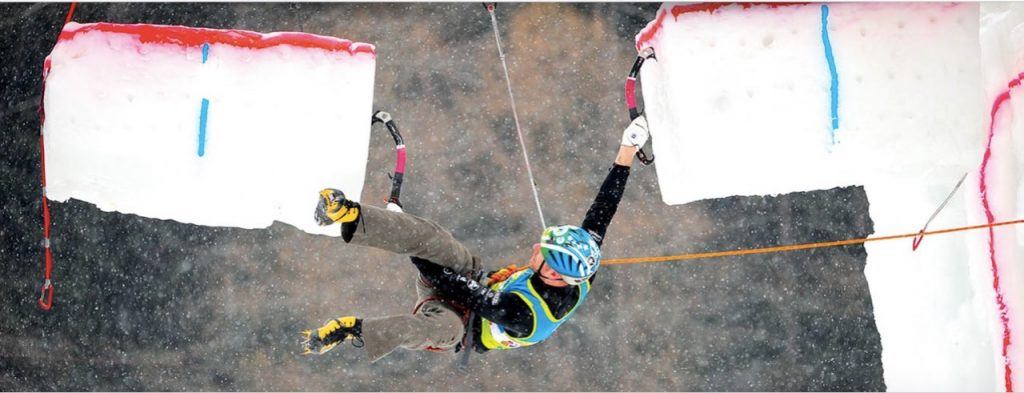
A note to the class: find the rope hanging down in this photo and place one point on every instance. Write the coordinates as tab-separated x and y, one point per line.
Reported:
795	247
46	292
515	115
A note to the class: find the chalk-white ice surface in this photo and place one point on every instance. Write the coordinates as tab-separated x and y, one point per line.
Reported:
739	102
123	127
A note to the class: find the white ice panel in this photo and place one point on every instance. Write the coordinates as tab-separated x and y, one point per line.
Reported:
740	103
287	114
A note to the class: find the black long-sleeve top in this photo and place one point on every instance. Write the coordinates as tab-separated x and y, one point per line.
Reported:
507	309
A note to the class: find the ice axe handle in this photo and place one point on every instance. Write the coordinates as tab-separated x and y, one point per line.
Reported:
634	113
400	155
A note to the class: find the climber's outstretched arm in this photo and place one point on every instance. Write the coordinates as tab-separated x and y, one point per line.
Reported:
600	214
625	157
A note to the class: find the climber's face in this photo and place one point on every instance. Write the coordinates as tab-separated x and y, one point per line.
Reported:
548	275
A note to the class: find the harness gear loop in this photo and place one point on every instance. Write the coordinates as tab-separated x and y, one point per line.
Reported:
504	273
634	73
515	114
920	235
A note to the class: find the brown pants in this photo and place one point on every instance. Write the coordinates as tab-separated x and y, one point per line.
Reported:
434	324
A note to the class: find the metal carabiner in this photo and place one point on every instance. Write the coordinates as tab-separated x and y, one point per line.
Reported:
46	295
917	240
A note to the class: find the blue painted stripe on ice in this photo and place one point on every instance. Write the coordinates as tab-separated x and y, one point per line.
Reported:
202	126
204	110
832	69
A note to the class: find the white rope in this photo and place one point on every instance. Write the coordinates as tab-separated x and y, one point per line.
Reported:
515	115
943	205
923	231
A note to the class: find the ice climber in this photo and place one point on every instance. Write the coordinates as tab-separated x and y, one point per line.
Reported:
512	307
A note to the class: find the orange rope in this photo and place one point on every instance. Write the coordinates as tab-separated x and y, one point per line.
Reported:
793	247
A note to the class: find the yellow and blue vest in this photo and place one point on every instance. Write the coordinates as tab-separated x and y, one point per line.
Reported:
493	336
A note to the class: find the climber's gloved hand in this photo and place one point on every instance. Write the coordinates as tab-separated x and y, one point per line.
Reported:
636	133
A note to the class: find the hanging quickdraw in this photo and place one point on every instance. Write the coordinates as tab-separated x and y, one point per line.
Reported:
396	179
646	53
923	231
46	292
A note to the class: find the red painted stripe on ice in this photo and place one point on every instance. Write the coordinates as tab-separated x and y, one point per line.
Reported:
644	37
1004	317
647	34
193	36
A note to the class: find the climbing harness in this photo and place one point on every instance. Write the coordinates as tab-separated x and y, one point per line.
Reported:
634	72
46	292
920	234
393	203
515	115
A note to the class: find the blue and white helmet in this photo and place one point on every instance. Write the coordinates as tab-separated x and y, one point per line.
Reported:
570	251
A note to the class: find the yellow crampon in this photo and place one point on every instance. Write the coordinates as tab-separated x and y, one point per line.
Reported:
331	334
333	207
